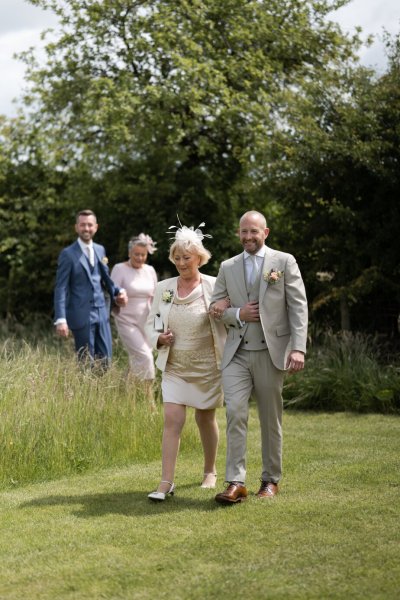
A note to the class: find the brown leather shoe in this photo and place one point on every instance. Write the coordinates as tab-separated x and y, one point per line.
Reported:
267	489
235	492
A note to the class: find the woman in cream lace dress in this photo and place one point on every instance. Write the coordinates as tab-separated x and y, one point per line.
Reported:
189	345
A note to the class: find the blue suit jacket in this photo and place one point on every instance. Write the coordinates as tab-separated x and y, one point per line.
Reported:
74	290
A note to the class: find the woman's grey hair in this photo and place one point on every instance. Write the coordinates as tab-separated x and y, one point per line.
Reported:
191	248
142	240
136	242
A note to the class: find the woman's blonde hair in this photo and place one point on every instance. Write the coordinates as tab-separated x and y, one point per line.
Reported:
192	248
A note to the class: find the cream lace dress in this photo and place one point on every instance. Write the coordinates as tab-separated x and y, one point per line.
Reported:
191	376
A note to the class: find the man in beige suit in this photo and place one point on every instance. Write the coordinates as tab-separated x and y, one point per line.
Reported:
267	331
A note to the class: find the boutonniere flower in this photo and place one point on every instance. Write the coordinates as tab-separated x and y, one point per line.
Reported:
273	276
104	260
167	295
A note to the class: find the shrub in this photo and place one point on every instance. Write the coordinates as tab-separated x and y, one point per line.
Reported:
343	372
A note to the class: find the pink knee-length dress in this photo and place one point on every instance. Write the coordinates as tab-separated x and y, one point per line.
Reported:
139	285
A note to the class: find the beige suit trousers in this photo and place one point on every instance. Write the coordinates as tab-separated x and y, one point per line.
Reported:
252	372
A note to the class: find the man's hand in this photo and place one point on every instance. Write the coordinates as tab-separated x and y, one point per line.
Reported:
295	361
62	330
122	298
250	312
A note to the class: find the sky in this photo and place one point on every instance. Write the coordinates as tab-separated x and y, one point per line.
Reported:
21	24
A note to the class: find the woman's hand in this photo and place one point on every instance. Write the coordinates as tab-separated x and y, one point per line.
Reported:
122	298
218	308
166	339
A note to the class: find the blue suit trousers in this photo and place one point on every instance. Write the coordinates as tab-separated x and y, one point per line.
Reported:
94	339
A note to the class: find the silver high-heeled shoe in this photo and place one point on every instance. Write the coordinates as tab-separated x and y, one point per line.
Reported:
209	482
160	496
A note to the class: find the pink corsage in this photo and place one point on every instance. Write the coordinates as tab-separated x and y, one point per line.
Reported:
273	276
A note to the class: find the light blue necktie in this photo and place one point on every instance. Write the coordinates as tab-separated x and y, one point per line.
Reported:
254	270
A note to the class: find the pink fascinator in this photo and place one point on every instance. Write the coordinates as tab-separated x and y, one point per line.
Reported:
143	240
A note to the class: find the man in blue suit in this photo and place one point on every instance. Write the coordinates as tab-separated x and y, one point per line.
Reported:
79	300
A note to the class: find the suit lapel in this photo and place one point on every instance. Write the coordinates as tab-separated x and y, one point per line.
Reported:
267	266
165	307
207	291
96	250
96	256
238	272
81	258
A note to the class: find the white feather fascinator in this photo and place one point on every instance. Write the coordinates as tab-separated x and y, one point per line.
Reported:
188	234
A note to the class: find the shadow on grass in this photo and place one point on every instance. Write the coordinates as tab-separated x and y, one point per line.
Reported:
134	504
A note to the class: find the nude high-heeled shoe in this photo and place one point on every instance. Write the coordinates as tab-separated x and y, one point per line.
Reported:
160	496
209	481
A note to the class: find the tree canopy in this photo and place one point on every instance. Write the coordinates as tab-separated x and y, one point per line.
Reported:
149	108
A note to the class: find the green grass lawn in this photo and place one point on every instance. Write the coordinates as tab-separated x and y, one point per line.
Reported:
332	532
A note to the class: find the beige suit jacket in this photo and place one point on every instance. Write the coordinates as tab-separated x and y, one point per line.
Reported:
161	309
283	305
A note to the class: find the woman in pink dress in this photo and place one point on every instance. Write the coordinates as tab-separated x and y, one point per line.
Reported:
139	280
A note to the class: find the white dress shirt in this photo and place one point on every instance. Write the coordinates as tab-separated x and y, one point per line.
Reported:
87	250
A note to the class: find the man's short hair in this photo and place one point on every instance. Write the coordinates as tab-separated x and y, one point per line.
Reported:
85	213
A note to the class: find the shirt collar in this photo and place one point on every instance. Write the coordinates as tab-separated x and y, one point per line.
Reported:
83	245
260	253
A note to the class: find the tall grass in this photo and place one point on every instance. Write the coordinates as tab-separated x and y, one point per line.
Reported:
345	372
56	419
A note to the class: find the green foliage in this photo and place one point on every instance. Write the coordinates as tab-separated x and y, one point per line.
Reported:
340	191
145	110
194	85
345	372
176	107
31	209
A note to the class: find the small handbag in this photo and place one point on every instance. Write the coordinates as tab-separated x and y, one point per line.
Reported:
158	323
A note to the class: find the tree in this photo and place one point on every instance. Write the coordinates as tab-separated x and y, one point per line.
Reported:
341	189
31	201
179	103
150	108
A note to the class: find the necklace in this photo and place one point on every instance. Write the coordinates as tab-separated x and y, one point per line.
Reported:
185	290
